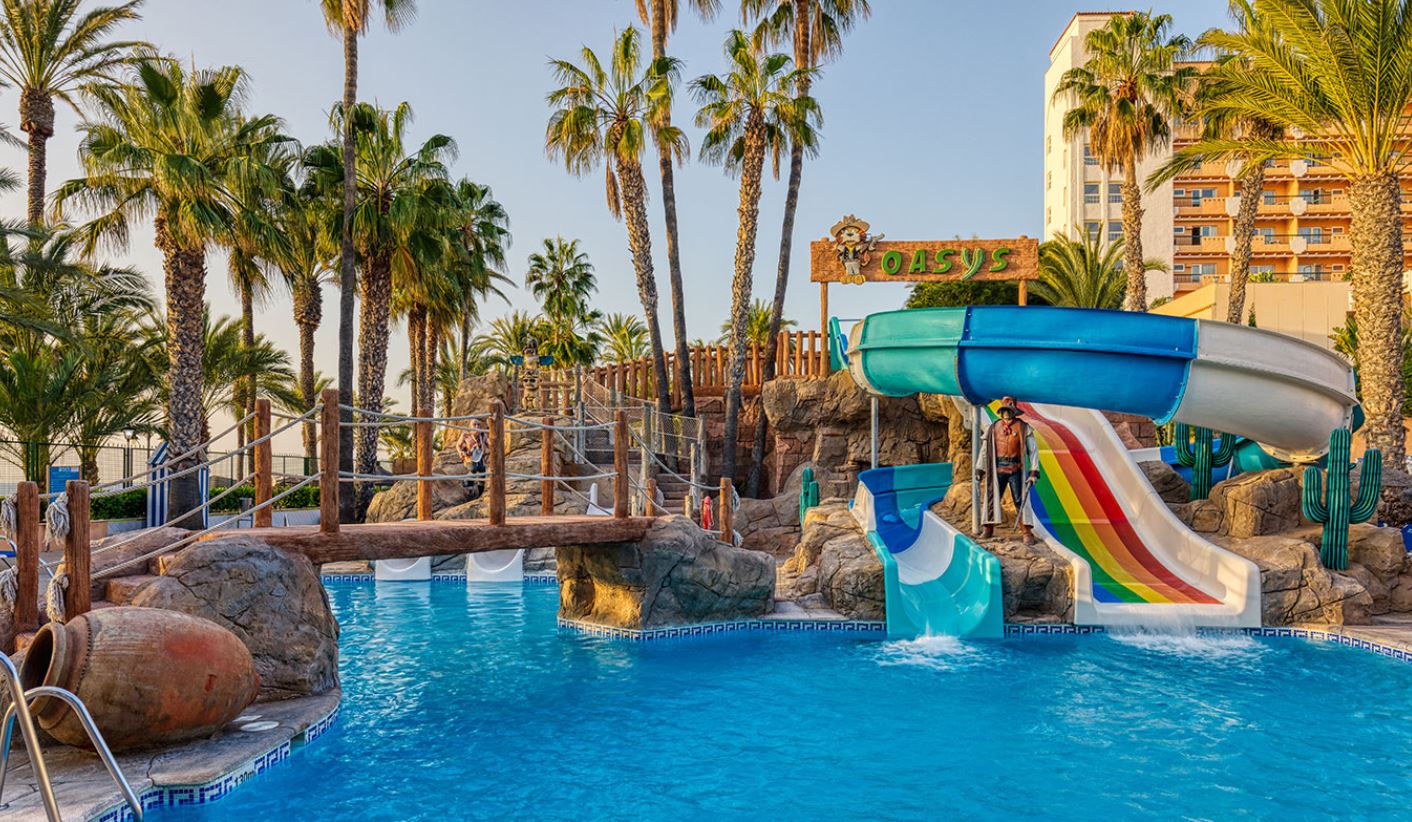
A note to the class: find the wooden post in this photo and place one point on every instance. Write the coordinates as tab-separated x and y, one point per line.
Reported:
496	506
422	443
799	353
264	466
649	508
328	462
620	465
546	468
824	321
1024	292
726	517
27	540
78	599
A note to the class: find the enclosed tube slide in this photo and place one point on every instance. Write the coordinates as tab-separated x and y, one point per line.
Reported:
1134	562
938	581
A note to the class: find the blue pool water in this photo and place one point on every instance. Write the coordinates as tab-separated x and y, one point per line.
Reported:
471	705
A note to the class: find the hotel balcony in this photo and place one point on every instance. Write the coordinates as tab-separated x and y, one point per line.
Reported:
1201	206
1332	205
1325	243
1190	245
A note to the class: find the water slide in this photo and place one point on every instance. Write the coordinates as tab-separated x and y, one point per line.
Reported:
938	580
1134	562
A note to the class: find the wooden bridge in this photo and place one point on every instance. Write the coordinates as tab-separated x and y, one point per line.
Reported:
332	541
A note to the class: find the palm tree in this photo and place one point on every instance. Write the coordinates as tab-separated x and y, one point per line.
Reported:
480	242
349	20
1083	273
815	28
306	264
601	115
661	17
752	111
69	368
170	145
1218	124
561	278
758	321
624	338
1123	98
509	336
400	193
48	50
1340	70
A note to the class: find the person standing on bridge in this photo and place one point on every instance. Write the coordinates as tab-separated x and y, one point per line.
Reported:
1008	460
472	447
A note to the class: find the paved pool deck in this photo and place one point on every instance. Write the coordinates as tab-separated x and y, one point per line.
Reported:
1392	630
193	773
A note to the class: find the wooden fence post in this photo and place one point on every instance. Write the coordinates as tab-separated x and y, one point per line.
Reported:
328	462
27	540
546	468
496	506
78	555
620	464
649	492
422	444
726	517
264	466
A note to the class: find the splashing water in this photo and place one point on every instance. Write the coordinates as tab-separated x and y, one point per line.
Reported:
938	653
1189	642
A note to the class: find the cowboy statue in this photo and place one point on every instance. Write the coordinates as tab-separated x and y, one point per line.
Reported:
853	246
1008	460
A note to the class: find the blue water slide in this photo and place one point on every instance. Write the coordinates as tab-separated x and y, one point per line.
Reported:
938	580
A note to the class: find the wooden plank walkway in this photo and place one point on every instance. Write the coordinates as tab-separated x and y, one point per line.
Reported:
411	539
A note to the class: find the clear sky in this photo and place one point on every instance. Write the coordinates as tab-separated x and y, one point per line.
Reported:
932	128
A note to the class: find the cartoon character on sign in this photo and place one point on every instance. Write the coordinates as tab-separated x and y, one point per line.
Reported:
854	246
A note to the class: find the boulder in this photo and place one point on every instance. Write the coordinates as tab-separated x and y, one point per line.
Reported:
271	599
1201	516
1037	583
1258	503
478	394
399	502
1295	589
834	562
1165	480
677	575
772	525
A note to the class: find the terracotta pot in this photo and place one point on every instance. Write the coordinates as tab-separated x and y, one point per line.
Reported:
148	676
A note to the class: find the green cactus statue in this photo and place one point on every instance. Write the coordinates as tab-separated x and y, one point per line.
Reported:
808	493
1331	508
1196	450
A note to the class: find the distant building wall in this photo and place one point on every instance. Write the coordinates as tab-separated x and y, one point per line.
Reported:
1309	311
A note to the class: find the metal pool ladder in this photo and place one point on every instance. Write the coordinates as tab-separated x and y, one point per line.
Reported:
19	709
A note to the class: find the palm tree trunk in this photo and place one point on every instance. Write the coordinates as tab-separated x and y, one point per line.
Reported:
464	346
347	278
1135	271
308	313
640	241
247	385
430	362
372	366
37	120
1376	236
416	319
185	270
791	203
1252	187
669	208
752	167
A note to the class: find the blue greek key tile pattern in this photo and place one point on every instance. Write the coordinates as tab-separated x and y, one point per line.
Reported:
181	796
541	579
448	578
336	578
850	626
1051	629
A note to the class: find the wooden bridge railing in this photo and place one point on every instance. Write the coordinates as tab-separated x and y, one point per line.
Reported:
797	354
28	534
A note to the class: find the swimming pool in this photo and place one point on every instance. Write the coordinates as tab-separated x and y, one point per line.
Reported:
471	705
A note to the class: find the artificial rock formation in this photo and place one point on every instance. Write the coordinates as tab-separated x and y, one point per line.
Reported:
1168	484
833	566
1253	504
772	525
272	600
1294	588
676	575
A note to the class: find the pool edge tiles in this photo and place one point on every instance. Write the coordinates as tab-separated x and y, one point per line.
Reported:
845	626
1341	635
336	579
186	796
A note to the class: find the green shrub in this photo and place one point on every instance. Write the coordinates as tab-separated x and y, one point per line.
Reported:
965	292
130	504
306	497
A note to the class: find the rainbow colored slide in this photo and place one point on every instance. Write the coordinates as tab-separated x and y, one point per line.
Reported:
1134	562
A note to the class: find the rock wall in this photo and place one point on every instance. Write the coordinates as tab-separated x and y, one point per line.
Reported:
677	575
273	600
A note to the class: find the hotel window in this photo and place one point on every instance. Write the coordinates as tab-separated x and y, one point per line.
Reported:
1115	230
1115	192
1089	159
1092	228
1265	233
1262	269
1312	272
1049	216
1090	192
1199	194
1313	234
1048	180
1179	268
1048	144
1203	269
1315	196
1269	197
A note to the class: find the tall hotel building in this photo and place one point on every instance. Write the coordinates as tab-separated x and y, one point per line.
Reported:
1301	233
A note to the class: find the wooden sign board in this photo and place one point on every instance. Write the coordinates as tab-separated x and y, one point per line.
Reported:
925	261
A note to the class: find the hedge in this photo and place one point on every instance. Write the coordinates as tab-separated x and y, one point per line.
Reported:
306	497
